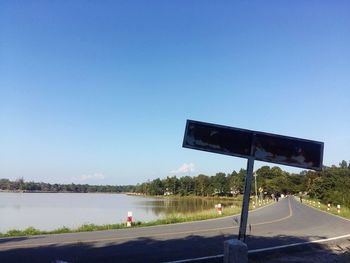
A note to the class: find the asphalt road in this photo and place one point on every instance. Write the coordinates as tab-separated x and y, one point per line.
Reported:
282	223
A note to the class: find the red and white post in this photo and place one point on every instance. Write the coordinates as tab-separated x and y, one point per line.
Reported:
129	220
219	208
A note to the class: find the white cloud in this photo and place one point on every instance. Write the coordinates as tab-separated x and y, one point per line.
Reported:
88	177
185	168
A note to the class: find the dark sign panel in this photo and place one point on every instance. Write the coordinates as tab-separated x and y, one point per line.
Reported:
218	139
288	151
245	143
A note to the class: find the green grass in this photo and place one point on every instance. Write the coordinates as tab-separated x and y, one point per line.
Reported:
170	219
31	231
202	215
344	211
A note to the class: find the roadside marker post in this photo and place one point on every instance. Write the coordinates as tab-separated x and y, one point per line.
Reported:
338	209
218	208
129	220
328	206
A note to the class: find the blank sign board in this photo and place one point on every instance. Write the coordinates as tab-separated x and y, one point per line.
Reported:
259	145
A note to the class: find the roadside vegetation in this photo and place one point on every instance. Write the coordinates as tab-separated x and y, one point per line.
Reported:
332	184
332	209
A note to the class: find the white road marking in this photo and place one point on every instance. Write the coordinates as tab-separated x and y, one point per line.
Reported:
298	244
194	259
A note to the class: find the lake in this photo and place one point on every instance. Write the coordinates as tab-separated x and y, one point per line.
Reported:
48	211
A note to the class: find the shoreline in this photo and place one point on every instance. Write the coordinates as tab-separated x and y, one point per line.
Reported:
171	219
61	192
222	198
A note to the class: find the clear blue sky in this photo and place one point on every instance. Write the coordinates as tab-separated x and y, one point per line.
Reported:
99	91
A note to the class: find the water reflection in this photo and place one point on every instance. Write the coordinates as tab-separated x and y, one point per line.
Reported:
167	206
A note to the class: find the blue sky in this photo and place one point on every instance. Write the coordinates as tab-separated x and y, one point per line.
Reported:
99	91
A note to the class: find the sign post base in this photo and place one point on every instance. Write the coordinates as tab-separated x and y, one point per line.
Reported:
235	251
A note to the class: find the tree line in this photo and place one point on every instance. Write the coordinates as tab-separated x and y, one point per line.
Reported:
332	184
21	185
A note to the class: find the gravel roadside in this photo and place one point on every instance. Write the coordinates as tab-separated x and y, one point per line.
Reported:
333	252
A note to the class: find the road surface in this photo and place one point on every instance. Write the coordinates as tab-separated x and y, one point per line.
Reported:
282	223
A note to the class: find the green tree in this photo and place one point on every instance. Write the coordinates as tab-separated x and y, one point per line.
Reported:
156	187
220	184
171	184
264	172
187	185
343	164
202	185
236	182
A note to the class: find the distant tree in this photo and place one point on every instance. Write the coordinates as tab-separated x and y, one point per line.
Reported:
220	185
156	187
202	185
187	185
5	184
343	164
297	183
264	172
235	182
171	184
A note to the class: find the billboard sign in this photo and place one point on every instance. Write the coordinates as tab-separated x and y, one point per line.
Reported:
261	146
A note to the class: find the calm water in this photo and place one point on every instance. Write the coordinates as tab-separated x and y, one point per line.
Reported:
48	211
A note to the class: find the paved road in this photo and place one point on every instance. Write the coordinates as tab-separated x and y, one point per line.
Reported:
284	222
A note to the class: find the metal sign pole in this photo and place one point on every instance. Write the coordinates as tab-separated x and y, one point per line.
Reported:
256	191
245	206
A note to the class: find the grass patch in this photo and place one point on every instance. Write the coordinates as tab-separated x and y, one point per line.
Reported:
344	211
170	219
198	216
